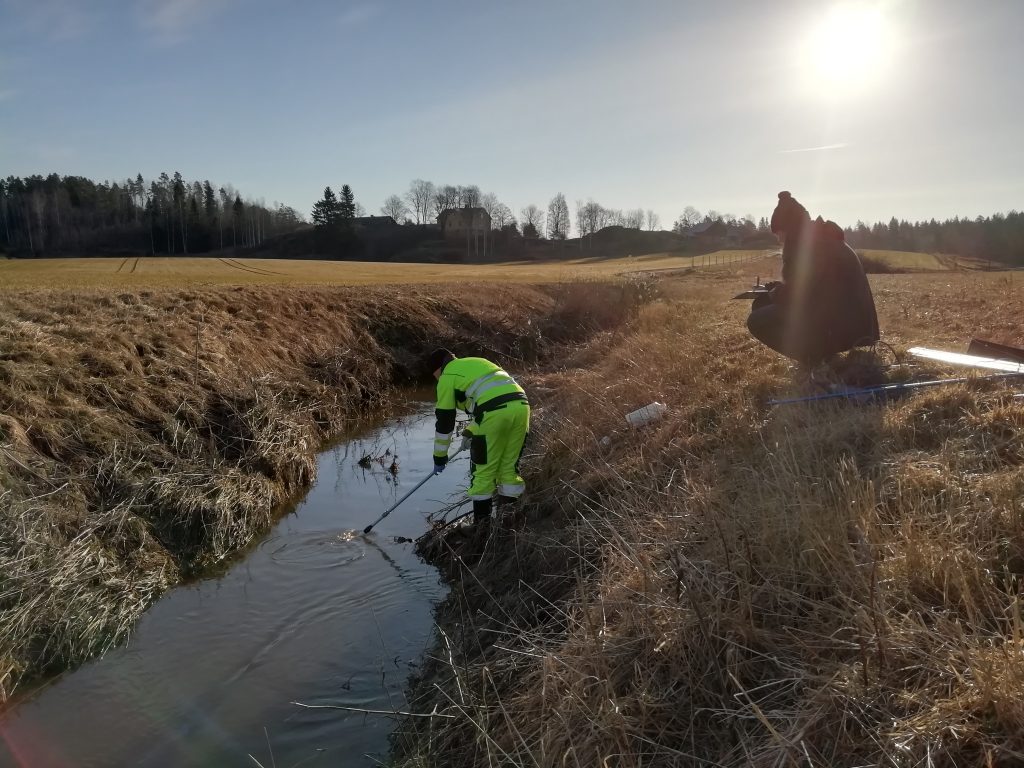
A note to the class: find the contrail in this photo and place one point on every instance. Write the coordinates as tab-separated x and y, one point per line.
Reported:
813	149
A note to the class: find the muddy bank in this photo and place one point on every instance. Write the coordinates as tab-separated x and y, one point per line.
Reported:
146	436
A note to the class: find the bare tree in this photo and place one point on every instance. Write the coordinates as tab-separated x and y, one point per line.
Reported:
592	217
444	199
501	215
395	207
489	202
581	221
635	218
653	220
595	216
469	196
419	197
533	217
608	217
688	218
558	218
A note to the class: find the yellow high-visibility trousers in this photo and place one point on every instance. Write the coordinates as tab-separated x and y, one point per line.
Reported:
495	448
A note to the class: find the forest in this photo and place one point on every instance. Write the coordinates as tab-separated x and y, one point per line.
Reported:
75	216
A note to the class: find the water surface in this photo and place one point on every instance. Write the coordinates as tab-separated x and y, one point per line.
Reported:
316	613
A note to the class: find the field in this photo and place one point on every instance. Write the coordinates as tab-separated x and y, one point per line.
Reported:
139	272
183	271
909	261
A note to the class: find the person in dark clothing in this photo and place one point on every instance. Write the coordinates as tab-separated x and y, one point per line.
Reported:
823	305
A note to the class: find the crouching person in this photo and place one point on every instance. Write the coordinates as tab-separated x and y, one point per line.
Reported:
495	436
823	305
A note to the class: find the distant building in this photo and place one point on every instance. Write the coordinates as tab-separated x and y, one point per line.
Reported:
456	222
469	225
709	229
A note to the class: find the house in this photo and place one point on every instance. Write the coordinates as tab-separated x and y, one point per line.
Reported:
469	225
458	222
709	230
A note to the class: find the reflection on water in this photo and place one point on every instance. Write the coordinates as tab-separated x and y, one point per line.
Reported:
317	613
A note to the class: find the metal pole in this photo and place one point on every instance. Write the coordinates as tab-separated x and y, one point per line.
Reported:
413	490
886	389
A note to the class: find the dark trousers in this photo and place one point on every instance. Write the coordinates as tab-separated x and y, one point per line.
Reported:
805	342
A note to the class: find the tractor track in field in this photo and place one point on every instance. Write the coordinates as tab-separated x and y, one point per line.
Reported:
254	270
121	267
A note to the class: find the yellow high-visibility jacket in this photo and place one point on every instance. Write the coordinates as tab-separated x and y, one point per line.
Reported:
475	385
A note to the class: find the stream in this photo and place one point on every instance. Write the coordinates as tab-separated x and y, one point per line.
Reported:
315	612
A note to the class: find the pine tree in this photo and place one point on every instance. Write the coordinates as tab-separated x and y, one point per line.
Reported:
237	211
139	194
178	196
209	201
347	204
326	211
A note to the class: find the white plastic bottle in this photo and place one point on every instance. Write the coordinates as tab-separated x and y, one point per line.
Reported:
647	414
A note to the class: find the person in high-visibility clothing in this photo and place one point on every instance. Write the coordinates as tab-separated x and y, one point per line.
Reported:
495	436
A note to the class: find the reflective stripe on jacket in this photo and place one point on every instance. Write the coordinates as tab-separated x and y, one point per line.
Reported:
467	383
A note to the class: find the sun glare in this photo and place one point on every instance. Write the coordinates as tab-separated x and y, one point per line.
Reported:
848	49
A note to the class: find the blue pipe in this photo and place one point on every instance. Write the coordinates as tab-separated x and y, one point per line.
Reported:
889	390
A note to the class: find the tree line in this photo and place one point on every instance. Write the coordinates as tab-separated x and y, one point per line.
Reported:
55	215
424	201
999	237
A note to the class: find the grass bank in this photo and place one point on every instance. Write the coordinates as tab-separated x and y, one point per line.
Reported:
147	435
743	585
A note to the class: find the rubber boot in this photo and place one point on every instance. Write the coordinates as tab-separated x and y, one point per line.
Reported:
481	510
507	501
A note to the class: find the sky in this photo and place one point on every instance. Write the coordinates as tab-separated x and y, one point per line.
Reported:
863	110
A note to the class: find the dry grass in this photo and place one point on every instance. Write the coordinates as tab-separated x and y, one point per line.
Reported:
876	261
145	435
886	262
738	585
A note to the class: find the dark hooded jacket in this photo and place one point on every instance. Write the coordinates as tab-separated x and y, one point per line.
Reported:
825	286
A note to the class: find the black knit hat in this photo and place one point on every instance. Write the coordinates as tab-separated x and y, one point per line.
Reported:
788	215
439	358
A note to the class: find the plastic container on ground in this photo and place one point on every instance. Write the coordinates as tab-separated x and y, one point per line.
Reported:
647	414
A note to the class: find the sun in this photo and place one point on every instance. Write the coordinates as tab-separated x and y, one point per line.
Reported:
848	49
